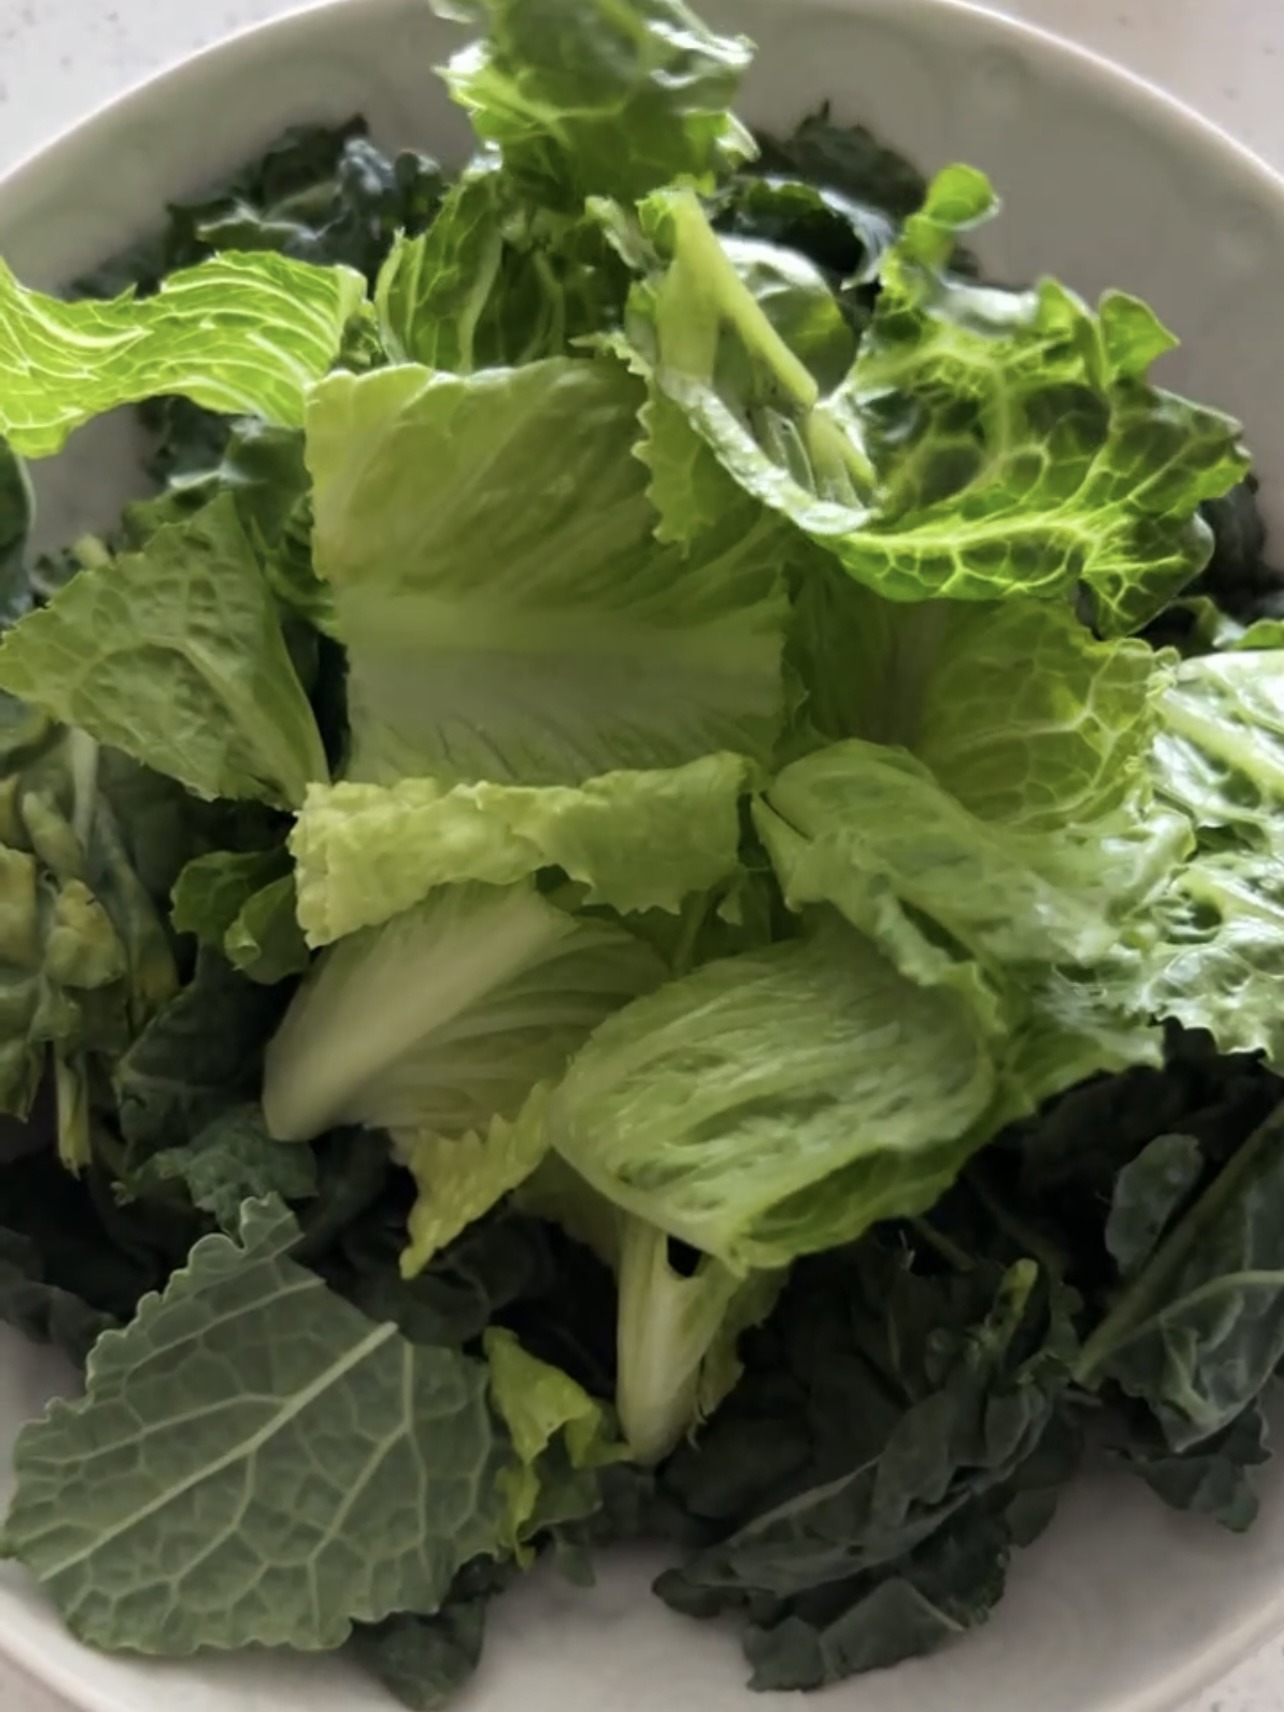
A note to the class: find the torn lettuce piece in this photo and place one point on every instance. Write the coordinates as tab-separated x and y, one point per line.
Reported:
448	1015
985	443
494	283
635	841
459	1178
507	612
779	1102
950	896
600	97
1018	710
242	334
560	1437
230	1395
175	655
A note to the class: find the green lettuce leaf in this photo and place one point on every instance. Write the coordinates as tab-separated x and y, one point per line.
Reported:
175	655
985	443
150	1510
507	612
493	283
244	334
460	1178
599	97
447	1015
779	1102
635	841
1023	715
560	1436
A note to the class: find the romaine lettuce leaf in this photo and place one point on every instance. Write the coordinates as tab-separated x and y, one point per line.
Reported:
245	334
779	1102
459	1178
507	612
636	841
599	97
985	443
175	655
492	283
447	1015
560	1437
1014	705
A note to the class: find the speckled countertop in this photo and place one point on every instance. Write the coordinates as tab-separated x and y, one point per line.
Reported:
60	58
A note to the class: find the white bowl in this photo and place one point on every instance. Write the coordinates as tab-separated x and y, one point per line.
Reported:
1123	1606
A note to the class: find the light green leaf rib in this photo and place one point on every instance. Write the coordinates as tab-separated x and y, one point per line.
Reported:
245	334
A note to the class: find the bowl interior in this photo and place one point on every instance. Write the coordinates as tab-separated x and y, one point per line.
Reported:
1122	1607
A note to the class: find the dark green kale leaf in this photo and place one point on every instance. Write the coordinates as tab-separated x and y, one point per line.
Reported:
201	1056
425	1661
15	522
232	1160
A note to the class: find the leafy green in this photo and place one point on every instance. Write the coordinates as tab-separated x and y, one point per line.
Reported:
635	840
506	611
976	433
175	655
230	1161
459	1178
559	1434
387	1437
240	333
425	1660
683	1110
447	1015
560	86
492	284
201	1055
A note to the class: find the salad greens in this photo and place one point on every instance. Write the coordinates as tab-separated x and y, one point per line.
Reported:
641	899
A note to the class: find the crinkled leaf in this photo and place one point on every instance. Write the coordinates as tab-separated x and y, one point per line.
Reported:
151	1510
42	1310
597	97
491	284
1018	710
507	612
778	1102
232	1160
244	334
985	443
635	841
1212	1478
175	655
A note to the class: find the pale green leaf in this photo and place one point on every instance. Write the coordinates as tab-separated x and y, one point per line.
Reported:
447	1015
636	841
175	655
460	1178
507	611
985	443
243	334
778	1102
600	97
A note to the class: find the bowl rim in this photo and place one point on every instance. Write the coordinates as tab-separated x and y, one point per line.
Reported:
1165	112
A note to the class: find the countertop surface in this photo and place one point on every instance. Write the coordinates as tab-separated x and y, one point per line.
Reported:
61	58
